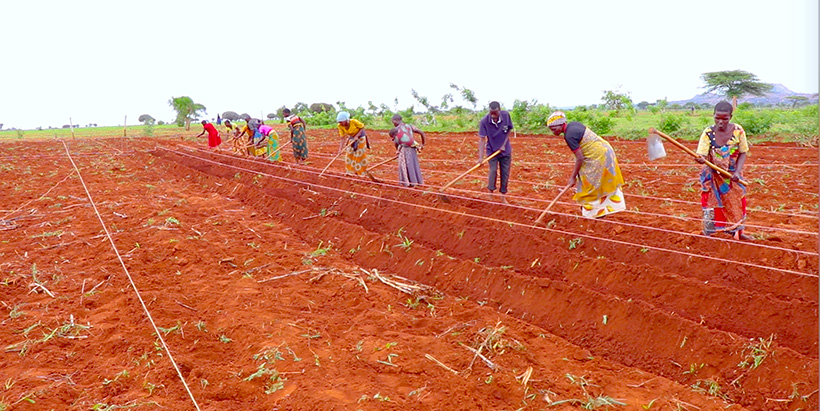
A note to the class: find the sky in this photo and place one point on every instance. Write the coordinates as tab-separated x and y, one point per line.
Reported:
102	61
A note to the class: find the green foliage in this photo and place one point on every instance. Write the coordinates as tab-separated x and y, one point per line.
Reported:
600	124
618	101
753	121
734	83
530	115
671	123
148	125
186	110
466	94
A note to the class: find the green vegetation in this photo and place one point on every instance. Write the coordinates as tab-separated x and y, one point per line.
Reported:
734	84
186	110
617	115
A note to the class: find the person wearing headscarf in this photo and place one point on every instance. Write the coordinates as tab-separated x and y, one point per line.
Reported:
596	175
723	200
298	135
232	131
273	142
354	141
407	149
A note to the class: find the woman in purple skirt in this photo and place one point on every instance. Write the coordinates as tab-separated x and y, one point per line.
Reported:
407	149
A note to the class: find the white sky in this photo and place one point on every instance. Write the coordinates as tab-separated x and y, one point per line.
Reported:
97	61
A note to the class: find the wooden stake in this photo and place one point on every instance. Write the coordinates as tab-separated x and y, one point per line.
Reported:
71	125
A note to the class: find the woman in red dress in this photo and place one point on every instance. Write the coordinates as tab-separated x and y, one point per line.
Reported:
213	134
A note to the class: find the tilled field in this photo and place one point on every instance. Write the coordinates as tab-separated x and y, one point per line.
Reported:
276	288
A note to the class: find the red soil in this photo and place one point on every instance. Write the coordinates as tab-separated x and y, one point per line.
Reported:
637	307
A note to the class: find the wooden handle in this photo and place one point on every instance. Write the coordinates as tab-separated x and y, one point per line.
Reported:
277	150
473	168
381	163
720	170
541	217
337	156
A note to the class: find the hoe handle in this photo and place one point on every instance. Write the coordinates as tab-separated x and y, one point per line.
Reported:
473	168
337	156
381	163
720	170
278	149
544	213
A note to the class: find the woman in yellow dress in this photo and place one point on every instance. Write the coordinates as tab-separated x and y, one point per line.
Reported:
354	140
596	176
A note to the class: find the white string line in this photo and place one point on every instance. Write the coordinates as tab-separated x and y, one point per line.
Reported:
435	135
312	170
674	200
35	199
139	297
499	220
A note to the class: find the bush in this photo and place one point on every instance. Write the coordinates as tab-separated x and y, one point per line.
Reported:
600	124
671	123
530	116
753	122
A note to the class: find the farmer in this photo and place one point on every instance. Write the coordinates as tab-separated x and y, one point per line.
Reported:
493	135
596	175
213	134
255	138
273	142
354	140
233	132
407	149
298	135
723	200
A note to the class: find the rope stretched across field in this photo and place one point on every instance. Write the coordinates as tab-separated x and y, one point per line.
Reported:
509	223
674	200
310	170
131	280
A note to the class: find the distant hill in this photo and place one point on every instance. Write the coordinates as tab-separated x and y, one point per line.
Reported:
776	96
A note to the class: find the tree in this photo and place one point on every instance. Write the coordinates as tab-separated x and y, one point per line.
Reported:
230	115
186	110
642	105
796	100
466	94
145	119
321	107
615	100
271	116
661	104
734	84
431	109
